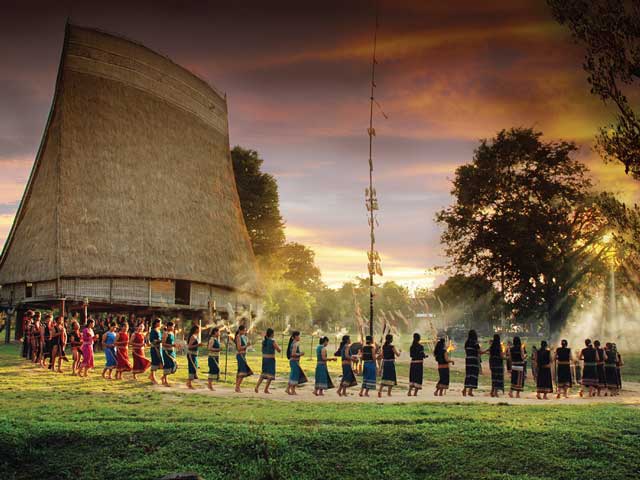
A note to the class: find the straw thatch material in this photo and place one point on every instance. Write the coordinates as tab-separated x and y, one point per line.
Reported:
133	178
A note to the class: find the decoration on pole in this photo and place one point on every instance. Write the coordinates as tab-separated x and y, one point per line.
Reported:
371	199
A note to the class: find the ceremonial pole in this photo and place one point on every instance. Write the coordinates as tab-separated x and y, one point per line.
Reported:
371	200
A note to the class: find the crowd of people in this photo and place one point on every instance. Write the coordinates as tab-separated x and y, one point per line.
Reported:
596	369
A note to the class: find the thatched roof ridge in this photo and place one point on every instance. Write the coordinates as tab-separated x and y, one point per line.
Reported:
135	164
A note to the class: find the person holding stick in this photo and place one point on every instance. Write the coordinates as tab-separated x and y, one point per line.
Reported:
169	361
242	343
193	343
369	367
348	377
213	347
155	340
323	379
269	349
389	355
297	376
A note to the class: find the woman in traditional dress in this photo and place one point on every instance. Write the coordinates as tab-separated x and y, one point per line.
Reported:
122	351
389	354
54	335
75	342
564	379
213	360
193	344
602	379
88	337
27	324
619	365
416	367
109	345
322	377
496	364
544	381
155	343
140	362
36	338
60	344
269	349
170	364
242	343
518	358
442	357
47	327
348	376
296	376
472	363
589	368
369	369
610	368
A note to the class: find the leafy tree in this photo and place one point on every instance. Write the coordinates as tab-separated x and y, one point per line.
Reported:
470	300
259	200
524	219
610	32
300	266
287	304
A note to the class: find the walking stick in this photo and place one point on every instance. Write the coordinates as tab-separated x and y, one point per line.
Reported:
226	358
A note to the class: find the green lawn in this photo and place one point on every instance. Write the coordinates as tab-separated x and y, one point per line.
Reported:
62	427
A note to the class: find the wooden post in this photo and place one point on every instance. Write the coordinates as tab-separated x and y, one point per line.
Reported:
7	333
62	307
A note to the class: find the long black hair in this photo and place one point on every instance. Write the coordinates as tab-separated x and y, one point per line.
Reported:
388	339
472	339
416	340
517	343
345	341
496	347
192	331
322	340
294	334
439	347
268	335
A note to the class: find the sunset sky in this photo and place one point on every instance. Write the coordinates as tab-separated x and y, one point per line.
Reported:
296	75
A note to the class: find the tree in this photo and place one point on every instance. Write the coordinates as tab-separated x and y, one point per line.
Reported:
287	304
301	267
524	218
610	32
470	300
259	200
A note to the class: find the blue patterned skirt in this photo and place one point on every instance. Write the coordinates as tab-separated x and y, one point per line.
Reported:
156	358
323	379
268	368
193	365
297	376
369	375
169	360
243	368
389	373
348	377
214	368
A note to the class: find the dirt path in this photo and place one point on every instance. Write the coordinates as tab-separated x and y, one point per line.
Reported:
629	396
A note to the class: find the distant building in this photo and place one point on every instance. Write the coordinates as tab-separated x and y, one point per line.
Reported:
132	202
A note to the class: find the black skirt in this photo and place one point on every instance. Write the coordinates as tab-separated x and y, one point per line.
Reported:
497	373
565	379
544	383
443	376
416	374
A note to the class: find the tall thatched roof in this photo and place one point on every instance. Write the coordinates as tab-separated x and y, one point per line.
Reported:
133	177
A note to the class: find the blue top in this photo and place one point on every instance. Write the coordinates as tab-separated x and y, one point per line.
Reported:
243	340
319	353
111	339
170	338
267	347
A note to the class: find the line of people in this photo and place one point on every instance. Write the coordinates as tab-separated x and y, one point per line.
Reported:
595	368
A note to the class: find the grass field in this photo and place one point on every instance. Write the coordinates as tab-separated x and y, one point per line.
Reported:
62	427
